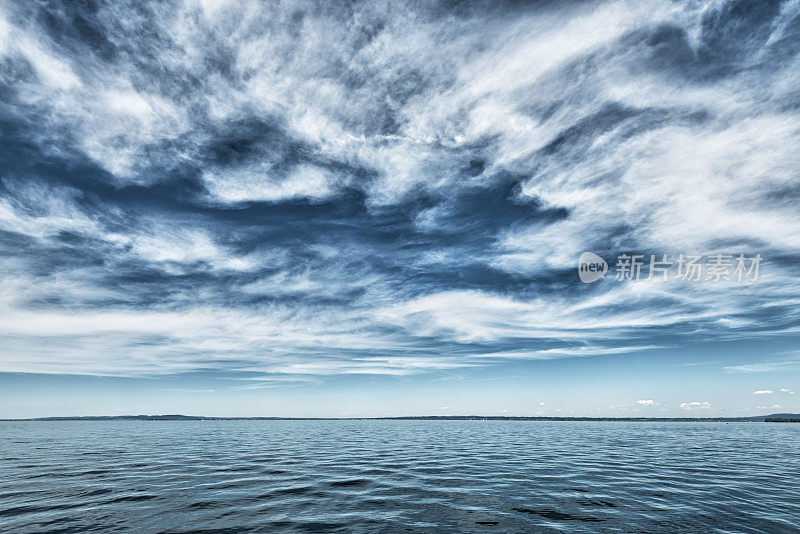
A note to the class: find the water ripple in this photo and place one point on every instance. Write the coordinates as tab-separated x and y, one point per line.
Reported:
398	476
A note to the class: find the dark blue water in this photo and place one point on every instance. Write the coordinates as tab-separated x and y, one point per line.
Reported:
399	476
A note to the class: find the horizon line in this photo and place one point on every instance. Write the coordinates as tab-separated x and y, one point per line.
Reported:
179	417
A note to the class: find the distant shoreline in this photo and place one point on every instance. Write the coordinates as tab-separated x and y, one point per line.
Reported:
772	418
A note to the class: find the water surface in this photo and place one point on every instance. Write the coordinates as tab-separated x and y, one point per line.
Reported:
398	476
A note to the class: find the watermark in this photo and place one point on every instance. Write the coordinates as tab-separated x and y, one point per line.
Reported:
591	267
686	267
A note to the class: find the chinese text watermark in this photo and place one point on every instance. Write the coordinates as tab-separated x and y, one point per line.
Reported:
685	267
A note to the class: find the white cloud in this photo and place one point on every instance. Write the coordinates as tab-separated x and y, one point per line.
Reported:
260	183
646	402
787	391
680	166
767	367
43	211
695	405
763	392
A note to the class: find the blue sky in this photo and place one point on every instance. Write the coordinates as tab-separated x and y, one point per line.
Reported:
233	208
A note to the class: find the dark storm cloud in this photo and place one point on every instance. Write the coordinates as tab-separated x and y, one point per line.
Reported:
386	188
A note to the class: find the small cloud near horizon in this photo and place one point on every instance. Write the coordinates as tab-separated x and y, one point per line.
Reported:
695	405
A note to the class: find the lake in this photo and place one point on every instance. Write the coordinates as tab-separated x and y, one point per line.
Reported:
398	476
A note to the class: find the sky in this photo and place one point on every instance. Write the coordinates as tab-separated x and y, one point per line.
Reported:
377	208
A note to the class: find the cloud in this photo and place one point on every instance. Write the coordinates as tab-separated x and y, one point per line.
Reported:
787	391
694	405
258	183
646	402
388	188
763	392
185	390
766	367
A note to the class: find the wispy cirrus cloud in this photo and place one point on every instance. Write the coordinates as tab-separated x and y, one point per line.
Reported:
766	367
387	188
